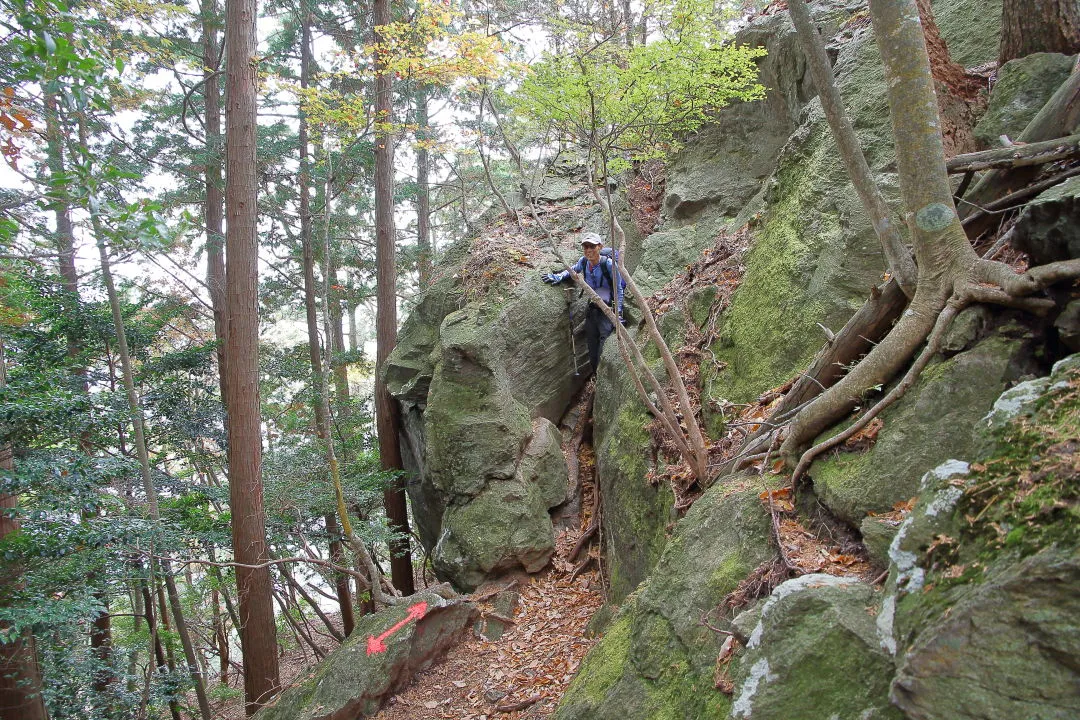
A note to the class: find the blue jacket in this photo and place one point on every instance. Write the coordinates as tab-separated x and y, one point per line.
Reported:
599	278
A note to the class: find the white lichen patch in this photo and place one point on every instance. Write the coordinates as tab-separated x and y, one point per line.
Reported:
909	576
944	501
744	700
1015	401
790	587
944	471
885	624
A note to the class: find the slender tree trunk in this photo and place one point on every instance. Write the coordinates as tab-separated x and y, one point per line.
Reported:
258	636
1031	26
139	431
221	638
423	190
306	240
20	675
386	410
156	649
213	210
897	256
101	627
341	580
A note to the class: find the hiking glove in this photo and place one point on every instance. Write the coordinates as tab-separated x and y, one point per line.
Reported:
550	278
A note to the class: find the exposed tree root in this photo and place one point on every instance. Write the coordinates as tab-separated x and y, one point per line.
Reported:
944	322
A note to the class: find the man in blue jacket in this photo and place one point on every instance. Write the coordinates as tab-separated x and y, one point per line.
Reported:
601	274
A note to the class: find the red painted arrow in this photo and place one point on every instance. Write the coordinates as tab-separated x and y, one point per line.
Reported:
376	644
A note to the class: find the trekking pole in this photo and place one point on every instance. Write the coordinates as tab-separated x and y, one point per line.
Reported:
573	343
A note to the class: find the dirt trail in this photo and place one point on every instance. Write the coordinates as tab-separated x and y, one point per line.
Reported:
524	673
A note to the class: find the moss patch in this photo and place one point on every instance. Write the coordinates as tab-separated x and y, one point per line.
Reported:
602	667
1028	497
636	513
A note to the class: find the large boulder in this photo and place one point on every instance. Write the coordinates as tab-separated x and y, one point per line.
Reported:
636	512
382	654
1049	228
982	602
657	658
1009	649
1023	87
723	168
815	653
479	395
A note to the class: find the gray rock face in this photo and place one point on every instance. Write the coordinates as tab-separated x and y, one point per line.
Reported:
656	659
353	682
725	165
1008	650
815	654
478	395
1049	229
636	513
1023	87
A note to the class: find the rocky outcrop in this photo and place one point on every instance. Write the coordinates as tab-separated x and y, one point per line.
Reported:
478	398
815	652
931	423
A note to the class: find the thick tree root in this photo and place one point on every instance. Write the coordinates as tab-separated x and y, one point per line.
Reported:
944	322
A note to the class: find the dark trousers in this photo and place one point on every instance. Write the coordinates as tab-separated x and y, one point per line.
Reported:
597	328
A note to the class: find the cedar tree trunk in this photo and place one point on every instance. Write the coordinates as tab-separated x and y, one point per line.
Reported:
258	635
386	410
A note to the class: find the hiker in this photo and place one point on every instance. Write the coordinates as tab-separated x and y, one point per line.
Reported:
598	272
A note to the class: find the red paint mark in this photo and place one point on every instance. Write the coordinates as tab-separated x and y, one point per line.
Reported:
376	644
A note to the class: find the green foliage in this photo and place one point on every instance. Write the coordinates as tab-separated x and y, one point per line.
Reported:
639	103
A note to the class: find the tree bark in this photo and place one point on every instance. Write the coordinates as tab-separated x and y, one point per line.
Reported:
156	649
1031	26
896	255
341	580
386	409
213	207
20	675
258	636
424	253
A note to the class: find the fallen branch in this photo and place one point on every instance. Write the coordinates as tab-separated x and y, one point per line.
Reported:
512	707
1039	153
1010	201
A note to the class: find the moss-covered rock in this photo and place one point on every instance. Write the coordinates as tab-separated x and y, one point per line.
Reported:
657	658
972	30
981	606
815	654
1023	87
478	396
1007	650
814	252
931	423
353	683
